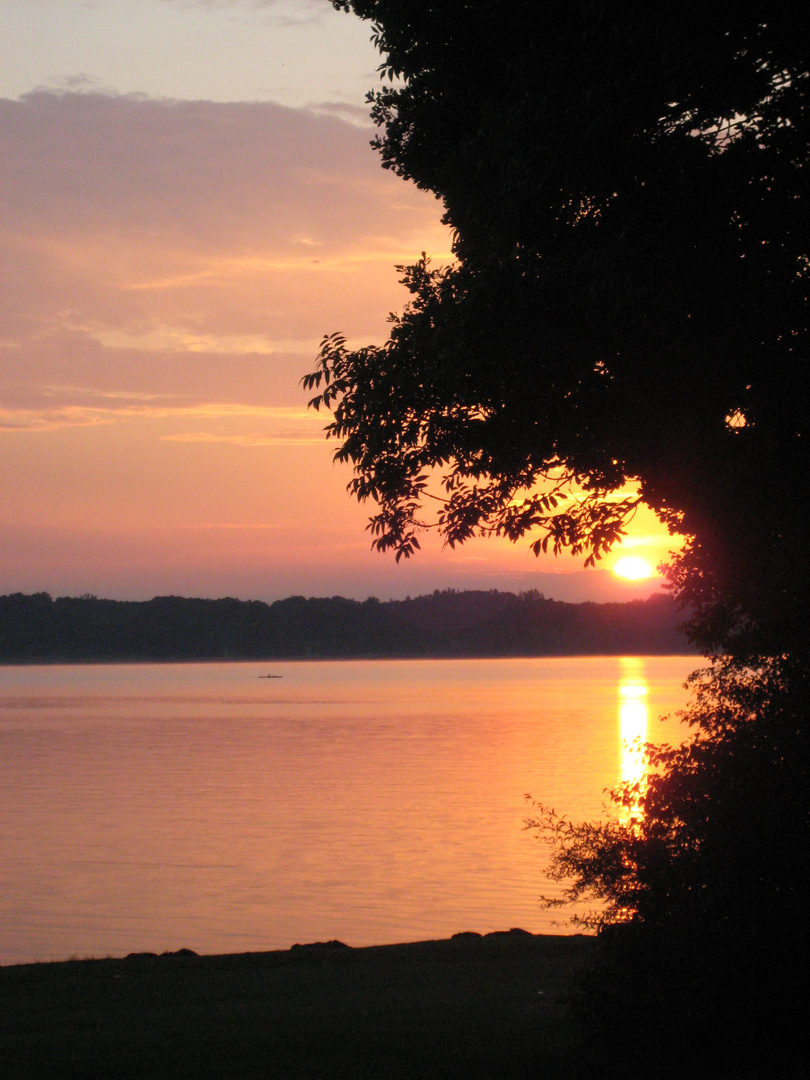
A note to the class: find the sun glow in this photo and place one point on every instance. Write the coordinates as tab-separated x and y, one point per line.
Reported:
633	567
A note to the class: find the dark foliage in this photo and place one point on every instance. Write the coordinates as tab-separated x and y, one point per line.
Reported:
37	628
703	888
626	184
627	189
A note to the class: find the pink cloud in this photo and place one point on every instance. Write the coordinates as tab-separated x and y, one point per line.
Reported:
168	269
189	248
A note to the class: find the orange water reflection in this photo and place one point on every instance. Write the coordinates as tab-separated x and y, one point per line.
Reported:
633	721
153	807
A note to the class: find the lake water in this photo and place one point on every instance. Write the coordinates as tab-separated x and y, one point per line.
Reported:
154	807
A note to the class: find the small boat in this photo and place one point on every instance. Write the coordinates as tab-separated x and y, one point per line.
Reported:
269	676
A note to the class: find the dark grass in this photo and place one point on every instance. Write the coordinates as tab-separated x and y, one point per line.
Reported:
469	1007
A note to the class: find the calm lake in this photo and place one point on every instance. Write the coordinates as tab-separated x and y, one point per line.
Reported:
154	807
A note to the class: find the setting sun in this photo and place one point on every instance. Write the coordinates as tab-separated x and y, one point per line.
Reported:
633	567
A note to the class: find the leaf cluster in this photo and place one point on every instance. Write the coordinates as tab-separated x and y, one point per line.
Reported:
402	425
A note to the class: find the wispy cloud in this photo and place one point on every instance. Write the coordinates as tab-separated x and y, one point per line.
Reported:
353	114
284	438
279	13
92	408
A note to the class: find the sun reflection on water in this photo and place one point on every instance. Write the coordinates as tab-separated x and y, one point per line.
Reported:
633	716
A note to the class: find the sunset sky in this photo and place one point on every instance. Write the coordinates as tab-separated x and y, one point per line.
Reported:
188	203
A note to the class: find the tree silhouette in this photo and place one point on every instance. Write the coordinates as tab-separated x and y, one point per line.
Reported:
627	190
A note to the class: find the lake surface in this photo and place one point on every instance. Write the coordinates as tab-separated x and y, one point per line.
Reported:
155	807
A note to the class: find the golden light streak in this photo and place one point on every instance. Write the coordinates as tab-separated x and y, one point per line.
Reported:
633	718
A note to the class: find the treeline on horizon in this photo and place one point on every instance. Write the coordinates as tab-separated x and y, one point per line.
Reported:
36	628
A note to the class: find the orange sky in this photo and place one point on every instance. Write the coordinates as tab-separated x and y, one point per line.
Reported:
169	267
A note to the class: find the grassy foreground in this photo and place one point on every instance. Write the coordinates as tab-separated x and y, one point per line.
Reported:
471	1007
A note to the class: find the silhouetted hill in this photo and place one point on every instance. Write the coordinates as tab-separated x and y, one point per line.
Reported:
37	628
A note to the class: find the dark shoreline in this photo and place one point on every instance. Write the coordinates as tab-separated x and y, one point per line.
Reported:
470	1006
444	625
333	659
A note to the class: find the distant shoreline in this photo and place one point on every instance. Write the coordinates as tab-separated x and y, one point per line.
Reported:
140	661
35	629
